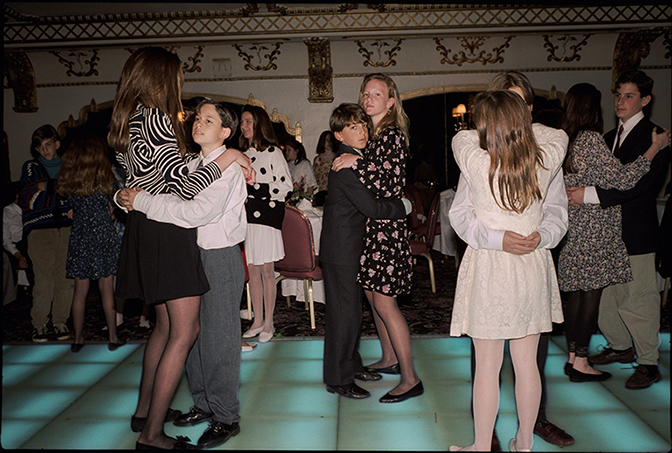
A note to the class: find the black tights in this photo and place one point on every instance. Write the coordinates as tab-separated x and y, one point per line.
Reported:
581	320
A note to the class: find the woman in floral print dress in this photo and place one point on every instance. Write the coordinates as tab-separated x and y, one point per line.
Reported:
386	262
594	254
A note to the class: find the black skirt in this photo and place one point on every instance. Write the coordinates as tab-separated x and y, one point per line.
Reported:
159	262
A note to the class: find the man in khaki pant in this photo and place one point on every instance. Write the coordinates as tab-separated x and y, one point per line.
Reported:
46	224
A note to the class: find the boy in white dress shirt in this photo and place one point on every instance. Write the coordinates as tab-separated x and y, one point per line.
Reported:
213	365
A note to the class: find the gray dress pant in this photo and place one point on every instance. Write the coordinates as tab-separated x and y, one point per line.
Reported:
213	365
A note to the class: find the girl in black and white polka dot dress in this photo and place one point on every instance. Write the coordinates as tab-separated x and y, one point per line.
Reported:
265	211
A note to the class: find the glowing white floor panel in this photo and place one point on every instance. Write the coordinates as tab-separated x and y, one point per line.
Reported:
53	399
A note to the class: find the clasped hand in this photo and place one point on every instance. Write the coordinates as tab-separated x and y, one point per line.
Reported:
517	244
345	160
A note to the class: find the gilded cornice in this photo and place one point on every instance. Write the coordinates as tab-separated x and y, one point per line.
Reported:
251	22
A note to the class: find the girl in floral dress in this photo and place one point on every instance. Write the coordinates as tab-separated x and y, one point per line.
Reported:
386	262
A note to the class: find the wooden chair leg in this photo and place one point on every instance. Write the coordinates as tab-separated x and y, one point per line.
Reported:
249	301
431	271
308	293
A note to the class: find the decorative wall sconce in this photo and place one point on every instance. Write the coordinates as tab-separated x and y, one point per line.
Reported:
458	114
320	70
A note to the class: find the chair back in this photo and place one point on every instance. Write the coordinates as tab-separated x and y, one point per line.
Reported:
433	219
411	192
298	241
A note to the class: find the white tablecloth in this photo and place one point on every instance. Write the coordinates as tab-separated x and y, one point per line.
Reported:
293	286
445	242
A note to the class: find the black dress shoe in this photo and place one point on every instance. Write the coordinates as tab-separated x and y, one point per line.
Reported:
349	391
367	376
113	346
138	423
181	443
417	390
218	433
76	347
495	445
195	416
392	369
577	376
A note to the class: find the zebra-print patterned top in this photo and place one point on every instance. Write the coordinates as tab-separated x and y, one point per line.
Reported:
153	161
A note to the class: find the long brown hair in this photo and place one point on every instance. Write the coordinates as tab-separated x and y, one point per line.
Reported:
582	112
394	116
152	77
86	168
264	135
504	126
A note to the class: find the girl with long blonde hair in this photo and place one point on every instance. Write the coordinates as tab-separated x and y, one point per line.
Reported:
508	164
386	263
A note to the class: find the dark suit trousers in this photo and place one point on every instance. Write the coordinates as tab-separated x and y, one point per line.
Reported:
343	323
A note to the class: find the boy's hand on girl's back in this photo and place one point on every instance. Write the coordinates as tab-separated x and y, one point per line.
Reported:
126	197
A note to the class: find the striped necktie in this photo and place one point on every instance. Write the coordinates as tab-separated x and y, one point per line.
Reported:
618	139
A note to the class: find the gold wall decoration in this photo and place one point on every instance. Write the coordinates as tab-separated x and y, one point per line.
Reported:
256	52
565	41
631	48
194	61
319	70
20	75
277	117
381	54
77	63
472	45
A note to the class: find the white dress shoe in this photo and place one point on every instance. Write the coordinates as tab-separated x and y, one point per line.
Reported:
265	337
253	332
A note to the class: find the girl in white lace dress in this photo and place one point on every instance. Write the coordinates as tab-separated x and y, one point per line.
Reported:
508	166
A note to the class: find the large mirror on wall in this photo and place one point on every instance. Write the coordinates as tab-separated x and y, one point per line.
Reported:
435	117
95	118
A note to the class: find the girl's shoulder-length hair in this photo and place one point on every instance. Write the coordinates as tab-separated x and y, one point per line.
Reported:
395	116
86	168
504	125
263	133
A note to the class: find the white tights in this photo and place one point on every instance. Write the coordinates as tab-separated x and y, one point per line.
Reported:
489	357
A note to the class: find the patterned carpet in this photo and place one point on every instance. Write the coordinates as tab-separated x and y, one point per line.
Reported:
426	313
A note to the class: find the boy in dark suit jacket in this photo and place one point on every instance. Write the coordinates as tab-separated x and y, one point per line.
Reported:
630	312
349	203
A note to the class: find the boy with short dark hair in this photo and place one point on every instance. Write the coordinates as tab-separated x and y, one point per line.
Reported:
349	204
46	227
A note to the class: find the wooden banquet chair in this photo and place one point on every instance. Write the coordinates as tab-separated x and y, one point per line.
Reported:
247	284
300	260
423	245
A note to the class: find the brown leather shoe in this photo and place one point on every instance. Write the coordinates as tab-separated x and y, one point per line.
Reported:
643	378
609	355
552	434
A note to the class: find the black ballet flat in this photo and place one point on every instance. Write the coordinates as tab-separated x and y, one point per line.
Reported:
181	443
392	369
568	366
113	346
76	347
417	390
138	423
578	376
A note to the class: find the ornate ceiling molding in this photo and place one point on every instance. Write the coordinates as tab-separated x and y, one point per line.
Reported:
21	30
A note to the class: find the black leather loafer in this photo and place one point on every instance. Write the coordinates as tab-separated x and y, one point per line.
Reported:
367	376
417	390
138	423
392	369
113	346
353	391
195	416
218	433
